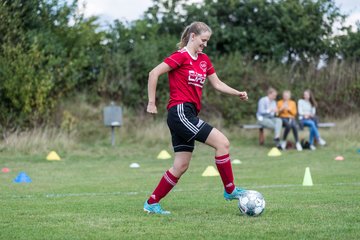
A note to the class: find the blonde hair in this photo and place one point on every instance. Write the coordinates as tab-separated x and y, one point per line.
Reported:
197	28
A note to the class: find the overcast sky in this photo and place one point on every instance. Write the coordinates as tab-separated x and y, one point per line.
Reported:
109	10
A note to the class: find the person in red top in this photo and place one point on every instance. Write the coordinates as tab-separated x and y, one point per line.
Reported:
188	68
187	81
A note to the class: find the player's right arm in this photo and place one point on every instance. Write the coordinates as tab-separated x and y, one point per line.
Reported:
152	82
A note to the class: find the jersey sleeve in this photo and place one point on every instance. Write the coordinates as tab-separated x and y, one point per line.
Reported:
175	60
210	68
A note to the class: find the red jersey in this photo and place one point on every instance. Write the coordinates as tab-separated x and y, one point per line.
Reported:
187	77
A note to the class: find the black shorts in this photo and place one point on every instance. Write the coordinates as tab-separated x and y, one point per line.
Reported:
186	127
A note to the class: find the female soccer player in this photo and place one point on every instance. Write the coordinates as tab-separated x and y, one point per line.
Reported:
187	71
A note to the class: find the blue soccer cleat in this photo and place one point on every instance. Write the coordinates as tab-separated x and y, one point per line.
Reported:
154	208
235	195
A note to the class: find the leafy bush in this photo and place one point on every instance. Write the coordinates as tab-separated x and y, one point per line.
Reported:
48	50
26	85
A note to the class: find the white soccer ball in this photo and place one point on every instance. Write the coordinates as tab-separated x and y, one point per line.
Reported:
252	203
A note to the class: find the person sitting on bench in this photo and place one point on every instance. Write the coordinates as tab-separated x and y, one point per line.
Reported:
266	114
287	113
307	110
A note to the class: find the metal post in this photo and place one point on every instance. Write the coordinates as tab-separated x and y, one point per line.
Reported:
113	119
112	135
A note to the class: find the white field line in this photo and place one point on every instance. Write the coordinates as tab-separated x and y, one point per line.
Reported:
86	194
54	195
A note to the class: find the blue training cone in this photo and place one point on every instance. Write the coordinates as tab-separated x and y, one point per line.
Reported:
22	178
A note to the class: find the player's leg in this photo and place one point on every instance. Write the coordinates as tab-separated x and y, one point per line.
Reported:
181	163
171	176
221	144
183	147
168	182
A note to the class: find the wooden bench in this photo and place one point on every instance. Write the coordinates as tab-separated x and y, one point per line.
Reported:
262	134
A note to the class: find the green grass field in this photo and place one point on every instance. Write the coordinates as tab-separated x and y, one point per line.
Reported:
93	194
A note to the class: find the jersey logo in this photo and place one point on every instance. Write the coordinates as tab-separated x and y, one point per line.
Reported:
203	65
196	79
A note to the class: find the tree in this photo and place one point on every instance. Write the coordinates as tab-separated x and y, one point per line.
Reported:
349	44
259	29
47	50
130	53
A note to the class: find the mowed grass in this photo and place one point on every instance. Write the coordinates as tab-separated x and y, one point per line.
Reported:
93	194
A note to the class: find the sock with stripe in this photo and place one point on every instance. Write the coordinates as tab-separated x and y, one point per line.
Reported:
167	182
223	164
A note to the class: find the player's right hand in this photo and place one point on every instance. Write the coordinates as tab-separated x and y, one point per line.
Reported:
151	108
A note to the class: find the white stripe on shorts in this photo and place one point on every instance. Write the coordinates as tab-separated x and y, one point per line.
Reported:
185	121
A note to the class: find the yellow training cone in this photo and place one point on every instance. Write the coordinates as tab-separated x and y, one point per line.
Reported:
164	155
307	178
210	171
53	156
274	152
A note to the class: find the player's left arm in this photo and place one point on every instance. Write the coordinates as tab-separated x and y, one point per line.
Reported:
224	88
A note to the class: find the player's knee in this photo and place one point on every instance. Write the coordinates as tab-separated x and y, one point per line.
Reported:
224	144
181	167
184	168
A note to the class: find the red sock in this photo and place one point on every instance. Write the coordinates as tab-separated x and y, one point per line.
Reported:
224	166
167	182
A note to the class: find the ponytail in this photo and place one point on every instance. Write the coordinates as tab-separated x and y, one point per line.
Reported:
197	28
184	37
